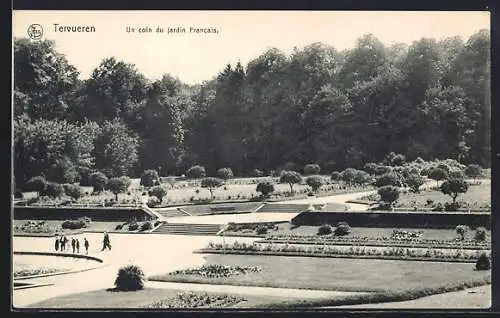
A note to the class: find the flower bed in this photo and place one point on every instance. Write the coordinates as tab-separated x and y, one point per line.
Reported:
195	300
376	241
36	271
217	271
403	253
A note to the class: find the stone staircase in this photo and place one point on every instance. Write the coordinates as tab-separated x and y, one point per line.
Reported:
188	229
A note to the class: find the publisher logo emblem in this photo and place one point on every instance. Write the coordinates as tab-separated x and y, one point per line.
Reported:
35	31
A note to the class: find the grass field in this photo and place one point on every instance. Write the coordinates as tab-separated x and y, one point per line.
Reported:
335	274
478	196
112	299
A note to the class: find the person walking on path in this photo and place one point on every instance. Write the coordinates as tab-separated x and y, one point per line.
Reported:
106	242
66	242
86	244
77	244
73	244
63	243
56	246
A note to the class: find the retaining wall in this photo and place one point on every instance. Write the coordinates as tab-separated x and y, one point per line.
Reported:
408	219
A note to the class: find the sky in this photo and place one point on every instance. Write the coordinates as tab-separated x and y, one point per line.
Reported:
242	35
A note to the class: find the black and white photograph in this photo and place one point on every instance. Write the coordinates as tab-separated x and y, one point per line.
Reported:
263	160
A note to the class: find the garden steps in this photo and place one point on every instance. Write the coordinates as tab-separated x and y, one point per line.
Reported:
173	212
188	229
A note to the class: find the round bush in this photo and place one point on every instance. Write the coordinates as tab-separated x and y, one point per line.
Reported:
119	227
480	234
342	229
146	226
133	226
261	230
130	278
324	230
483	262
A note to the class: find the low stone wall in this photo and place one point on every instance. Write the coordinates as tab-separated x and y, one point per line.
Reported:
399	219
94	213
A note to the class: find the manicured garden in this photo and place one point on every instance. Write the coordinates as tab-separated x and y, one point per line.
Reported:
478	197
334	274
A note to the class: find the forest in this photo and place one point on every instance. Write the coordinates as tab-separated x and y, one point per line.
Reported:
335	108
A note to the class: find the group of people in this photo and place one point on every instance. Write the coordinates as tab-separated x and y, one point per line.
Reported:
62	244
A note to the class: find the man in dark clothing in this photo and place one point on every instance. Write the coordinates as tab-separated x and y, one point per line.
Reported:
73	244
66	242
57	244
106	242
63	244
86	243
77	244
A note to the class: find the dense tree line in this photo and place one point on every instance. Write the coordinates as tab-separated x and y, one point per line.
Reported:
318	105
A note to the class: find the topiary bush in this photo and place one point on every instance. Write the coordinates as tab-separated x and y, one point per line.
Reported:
76	224
483	262
133	226
146	226
130	278
480	234
461	230
324	229
261	229
119	227
342	228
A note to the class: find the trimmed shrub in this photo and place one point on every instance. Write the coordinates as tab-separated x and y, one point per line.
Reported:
149	178
388	179
483	262
159	192
461	230
315	182
480	234
389	194
342	228
335	176
225	173
37	184
73	191
261	230
325	229
311	169
53	190
157	223
98	181
76	224
196	172
133	226
130	278
119	227
146	226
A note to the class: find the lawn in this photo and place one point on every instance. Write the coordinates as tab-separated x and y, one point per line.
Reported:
335	274
112	299
478	196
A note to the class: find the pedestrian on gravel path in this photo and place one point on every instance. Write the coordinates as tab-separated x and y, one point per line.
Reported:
77	244
86	244
73	244
56	246
106	243
63	243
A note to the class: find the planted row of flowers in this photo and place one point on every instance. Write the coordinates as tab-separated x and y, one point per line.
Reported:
195	300
356	240
36	271
379	244
420	253
217	271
